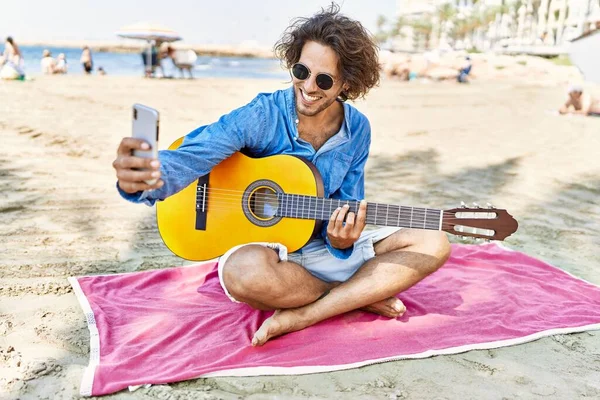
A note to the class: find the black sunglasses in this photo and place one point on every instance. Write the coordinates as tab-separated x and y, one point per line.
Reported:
301	72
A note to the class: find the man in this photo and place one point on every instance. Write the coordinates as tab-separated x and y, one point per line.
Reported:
86	60
464	71
331	59
579	103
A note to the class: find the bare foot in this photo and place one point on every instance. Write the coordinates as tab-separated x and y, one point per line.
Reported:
281	322
391	307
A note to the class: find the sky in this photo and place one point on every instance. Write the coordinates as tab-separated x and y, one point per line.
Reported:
197	21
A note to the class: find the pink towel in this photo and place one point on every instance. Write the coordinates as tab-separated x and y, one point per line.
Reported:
174	324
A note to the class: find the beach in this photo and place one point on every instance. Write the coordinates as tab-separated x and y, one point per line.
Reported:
433	145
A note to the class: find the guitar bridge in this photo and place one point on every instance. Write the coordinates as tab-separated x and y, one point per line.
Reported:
201	202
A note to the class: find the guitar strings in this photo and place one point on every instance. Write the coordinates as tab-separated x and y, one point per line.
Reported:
373	219
312	205
234	194
394	211
230	199
370	220
309	198
379	220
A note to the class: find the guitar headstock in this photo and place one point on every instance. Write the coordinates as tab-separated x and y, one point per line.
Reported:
486	223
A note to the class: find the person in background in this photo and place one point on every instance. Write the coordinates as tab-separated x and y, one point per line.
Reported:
464	72
61	64
185	63
12	53
86	60
48	63
162	49
152	61
402	69
580	103
11	61
101	71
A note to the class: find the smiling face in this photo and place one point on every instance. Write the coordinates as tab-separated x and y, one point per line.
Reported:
310	98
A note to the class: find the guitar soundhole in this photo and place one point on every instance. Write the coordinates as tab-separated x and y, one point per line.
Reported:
260	203
264	203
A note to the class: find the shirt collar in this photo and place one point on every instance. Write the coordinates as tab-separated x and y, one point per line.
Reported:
290	97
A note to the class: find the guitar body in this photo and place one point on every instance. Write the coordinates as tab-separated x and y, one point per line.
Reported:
228	215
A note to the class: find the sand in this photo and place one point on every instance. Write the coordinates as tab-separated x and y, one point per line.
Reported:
433	145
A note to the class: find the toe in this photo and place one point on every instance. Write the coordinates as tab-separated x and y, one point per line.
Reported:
270	328
391	307
261	335
398	306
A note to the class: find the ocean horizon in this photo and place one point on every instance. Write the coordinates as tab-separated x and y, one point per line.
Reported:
130	64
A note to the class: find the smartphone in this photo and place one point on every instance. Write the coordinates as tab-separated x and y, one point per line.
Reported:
145	126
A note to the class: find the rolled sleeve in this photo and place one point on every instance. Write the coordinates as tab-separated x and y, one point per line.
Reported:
204	148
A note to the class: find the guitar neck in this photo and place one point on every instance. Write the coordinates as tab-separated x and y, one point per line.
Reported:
318	208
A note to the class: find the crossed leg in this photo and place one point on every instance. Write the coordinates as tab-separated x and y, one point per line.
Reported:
255	275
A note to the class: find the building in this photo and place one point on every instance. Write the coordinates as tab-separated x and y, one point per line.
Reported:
584	51
518	23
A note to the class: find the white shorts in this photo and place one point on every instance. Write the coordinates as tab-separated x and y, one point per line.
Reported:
317	260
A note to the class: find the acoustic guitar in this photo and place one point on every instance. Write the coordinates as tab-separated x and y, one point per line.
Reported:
279	199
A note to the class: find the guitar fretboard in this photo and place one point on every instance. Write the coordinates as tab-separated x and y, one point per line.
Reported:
318	208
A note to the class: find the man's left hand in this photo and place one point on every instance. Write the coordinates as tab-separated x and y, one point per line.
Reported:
342	235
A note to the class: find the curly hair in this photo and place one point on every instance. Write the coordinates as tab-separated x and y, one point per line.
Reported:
353	44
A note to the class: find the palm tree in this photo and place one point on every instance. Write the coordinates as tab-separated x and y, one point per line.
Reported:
397	26
381	21
445	13
381	35
422	29
384	33
463	27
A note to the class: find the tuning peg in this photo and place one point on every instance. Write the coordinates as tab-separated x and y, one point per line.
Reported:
490	205
475	205
487	240
463	205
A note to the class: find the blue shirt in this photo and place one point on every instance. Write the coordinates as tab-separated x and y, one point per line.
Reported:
267	126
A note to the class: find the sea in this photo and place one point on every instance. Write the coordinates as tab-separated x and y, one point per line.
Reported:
130	64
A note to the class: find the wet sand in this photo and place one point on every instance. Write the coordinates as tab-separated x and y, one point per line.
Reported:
433	145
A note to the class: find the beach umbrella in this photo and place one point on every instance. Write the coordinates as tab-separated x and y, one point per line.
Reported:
150	32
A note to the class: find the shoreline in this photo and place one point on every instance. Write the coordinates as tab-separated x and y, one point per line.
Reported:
130	46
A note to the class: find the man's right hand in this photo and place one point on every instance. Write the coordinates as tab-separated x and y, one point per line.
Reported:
130	180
